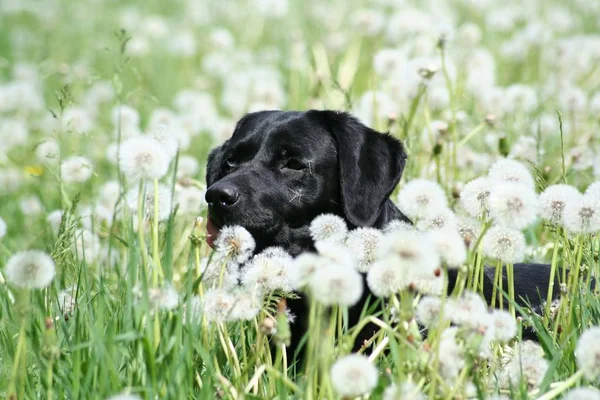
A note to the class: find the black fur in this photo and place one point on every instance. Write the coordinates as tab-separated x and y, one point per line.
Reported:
286	168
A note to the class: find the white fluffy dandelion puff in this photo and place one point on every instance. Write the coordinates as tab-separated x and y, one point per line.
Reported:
30	269
513	205
583	393
247	305
163	298
328	227
235	243
2	228
428	310
397	225
364	245
336	285
415	249
505	244
593	191
504	326
554	199
143	158
420	197
587	353
511	171
475	196
76	169
443	218
450	245
217	305
582	215
303	267
406	391
267	273
528	365
353	375
388	276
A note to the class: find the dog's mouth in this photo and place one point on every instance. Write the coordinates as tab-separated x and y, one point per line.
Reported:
212	232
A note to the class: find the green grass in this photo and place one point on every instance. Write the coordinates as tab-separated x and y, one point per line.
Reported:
113	341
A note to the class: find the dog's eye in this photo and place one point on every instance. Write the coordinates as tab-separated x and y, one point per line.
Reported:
230	164
294	164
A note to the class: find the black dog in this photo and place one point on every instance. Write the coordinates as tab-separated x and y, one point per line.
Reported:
280	170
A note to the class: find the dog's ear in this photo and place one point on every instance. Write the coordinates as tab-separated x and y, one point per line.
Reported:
370	165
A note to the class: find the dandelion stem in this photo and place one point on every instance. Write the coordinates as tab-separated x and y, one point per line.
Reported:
562	387
551	281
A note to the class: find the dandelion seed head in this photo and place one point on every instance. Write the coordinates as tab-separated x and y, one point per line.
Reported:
587	353
414	249
364	243
471	311
582	215
353	375
235	243
583	393
163	298
76	169
527	366
187	167
504	326
217	305
554	200
475	196
335	252
450	245
388	276
30	269
124	396
267	273
428	311
247	305
54	219
336	285
303	267
48	151
328	227
593	191
405	391
190	200
3	228
504	244
31	205
440	219
451	360
513	205
143	158
398	225
419	198
469	229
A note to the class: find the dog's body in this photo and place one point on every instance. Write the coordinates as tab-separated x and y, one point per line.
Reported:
280	170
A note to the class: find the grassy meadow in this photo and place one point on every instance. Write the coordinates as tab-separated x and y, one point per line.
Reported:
108	110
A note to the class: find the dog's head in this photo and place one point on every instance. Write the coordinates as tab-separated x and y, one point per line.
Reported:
280	170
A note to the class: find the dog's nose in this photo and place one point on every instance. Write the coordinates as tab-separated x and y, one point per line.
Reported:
224	195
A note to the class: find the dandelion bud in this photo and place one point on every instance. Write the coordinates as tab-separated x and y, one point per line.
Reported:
437	148
503	147
427	73
268	326
490	120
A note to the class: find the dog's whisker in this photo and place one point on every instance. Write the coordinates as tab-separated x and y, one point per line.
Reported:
297	194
